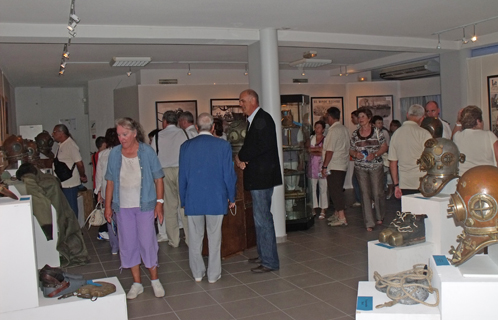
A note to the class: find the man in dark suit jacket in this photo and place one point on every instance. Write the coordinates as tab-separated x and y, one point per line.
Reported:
206	182
258	157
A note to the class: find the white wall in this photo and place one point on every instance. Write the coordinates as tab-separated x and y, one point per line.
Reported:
479	69
46	106
126	103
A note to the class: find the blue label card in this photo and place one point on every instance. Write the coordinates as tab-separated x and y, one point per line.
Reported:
364	304
24	199
441	260
384	245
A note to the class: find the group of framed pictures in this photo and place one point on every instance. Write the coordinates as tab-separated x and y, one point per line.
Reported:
229	109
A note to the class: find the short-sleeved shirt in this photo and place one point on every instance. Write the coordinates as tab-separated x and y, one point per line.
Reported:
69	153
477	145
367	145
337	141
407	145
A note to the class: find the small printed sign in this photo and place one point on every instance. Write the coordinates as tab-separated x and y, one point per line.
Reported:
441	260
24	198
364	304
384	245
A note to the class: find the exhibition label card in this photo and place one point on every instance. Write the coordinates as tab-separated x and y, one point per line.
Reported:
364	304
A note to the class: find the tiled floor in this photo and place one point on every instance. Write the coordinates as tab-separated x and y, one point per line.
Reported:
320	270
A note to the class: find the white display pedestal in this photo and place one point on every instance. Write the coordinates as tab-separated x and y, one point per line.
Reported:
396	312
439	229
46	250
19	280
112	306
471	297
388	260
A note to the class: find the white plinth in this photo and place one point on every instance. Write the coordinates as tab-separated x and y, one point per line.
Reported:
463	297
112	306
19	280
396	259
396	312
439	229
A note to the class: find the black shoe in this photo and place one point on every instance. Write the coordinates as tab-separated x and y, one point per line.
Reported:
254	260
261	269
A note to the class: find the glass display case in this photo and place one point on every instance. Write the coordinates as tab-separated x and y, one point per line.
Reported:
296	130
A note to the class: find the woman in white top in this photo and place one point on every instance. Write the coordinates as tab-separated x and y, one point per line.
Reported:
479	146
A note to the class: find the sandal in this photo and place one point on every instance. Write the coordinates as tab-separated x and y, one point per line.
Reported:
379	222
369	229
322	216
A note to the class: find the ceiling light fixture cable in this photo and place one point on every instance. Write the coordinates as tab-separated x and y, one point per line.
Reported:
246	72
474	37
464	40
438	42
189	73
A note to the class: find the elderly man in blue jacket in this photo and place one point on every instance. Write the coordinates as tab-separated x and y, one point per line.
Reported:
207	189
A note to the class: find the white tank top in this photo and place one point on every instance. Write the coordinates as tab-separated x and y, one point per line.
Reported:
130	179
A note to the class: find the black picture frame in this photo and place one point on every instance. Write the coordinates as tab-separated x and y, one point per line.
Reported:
319	106
381	105
177	106
493	102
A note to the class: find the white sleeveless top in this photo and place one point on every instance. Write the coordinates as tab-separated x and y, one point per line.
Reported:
130	178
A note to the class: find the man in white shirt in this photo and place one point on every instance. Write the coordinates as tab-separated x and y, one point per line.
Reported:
407	145
186	122
69	153
335	157
169	141
432	110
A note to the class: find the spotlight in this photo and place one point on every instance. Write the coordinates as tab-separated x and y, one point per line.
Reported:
303	73
189	73
74	17
340	71
63	64
71	26
464	39
65	54
129	72
246	72
61	72
438	41
474	37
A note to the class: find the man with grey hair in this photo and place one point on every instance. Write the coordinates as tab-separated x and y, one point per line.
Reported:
168	144
186	122
407	144
207	188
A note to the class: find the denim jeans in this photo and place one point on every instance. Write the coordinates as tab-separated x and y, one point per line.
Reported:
72	197
265	229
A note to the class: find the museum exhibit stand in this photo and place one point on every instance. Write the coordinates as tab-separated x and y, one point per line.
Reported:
25	250
296	130
465	292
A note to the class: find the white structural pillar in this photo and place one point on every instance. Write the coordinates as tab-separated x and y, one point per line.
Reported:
270	101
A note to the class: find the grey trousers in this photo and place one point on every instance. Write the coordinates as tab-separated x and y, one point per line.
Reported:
196	235
170	225
372	188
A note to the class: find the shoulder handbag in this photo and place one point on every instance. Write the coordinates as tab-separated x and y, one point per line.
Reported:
96	217
62	170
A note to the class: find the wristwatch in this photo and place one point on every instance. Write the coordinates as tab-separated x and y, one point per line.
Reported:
160	200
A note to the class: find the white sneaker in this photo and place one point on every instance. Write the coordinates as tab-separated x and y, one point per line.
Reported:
103	235
356	204
135	290
333	218
158	288
214	281
200	279
162	237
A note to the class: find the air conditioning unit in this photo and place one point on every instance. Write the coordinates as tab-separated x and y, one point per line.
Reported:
414	70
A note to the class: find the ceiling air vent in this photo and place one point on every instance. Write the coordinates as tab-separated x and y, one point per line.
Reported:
129	61
168	81
420	69
299	80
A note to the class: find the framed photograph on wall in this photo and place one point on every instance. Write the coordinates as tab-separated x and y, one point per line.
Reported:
177	106
493	103
319	106
227	110
379	105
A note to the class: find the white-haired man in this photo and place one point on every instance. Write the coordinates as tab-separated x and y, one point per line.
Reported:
407	144
207	188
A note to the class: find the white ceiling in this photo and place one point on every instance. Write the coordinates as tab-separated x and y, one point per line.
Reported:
213	34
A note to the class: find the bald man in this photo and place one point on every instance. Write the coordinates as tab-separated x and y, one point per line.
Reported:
432	110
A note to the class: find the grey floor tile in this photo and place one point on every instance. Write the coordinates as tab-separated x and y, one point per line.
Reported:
316	311
352	258
214	312
343	298
290	299
277	315
232	294
238	267
180	288
251	277
249	307
305	256
163	316
308	279
189	301
271	286
175	276
226	280
138	309
292	270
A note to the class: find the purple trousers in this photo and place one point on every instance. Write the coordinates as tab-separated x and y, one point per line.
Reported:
137	238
